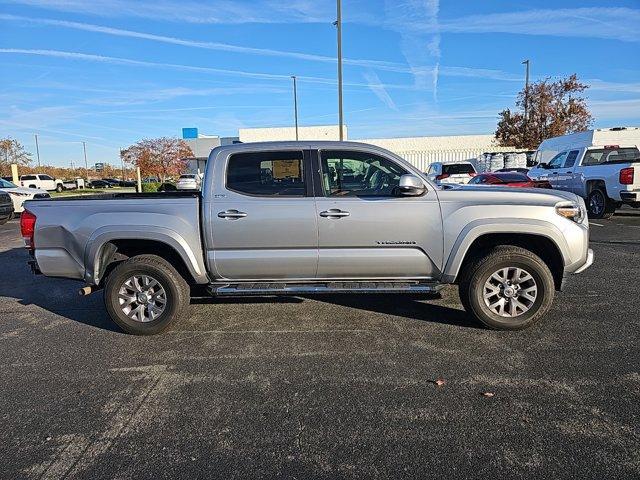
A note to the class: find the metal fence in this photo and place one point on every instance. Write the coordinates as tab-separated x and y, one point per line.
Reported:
423	158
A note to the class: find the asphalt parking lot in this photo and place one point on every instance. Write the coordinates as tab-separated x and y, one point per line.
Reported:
330	387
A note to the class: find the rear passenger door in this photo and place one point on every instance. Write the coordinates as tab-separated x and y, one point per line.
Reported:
264	223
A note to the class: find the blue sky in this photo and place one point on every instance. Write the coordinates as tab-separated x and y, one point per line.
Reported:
110	72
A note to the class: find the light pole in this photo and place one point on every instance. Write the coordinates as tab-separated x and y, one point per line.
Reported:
37	149
338	24
86	165
526	97
295	103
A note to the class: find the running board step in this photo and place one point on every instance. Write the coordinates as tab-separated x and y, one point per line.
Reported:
247	289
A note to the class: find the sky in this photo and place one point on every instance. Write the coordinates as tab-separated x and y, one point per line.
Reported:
110	72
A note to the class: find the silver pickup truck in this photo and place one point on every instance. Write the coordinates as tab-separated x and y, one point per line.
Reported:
301	218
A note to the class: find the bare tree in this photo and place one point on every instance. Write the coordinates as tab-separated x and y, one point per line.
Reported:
12	151
159	157
554	108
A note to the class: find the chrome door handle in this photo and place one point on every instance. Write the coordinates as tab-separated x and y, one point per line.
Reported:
232	214
334	213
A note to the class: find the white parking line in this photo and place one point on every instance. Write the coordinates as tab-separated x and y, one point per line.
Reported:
596	224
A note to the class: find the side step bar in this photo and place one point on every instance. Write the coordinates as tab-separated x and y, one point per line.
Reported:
259	289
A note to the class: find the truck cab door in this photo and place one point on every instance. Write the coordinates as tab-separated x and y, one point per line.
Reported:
367	231
553	169
261	217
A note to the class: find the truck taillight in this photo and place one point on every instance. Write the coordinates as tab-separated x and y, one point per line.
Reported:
442	176
28	227
626	176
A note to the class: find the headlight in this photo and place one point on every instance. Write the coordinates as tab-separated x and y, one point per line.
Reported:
18	194
575	211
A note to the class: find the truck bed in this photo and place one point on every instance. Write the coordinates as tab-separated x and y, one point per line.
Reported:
71	232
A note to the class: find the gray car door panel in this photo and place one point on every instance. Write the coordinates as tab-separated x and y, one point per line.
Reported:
263	237
377	237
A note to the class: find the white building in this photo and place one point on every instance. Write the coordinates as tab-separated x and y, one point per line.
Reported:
318	132
420	151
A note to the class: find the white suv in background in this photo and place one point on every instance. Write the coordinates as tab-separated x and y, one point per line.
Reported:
451	173
41	181
20	194
189	181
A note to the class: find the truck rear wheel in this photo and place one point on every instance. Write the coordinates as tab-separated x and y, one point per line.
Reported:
59	188
599	205
507	288
145	294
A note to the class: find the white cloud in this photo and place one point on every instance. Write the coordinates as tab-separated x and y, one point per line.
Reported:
377	87
210	12
416	21
614	23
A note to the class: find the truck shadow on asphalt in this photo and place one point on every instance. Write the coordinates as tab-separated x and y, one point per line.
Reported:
60	297
55	295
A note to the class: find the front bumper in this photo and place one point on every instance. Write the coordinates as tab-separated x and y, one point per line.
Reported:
567	275
587	263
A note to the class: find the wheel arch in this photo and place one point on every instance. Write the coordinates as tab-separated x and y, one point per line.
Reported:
540	238
105	251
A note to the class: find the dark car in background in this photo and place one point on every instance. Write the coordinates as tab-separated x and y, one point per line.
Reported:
100	184
508	179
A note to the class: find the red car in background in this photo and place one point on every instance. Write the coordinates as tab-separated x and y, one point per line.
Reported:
508	179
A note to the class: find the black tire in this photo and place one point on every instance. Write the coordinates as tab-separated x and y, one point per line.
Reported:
599	205
177	294
5	220
59	188
479	270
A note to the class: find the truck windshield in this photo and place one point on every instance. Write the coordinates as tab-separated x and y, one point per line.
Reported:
602	155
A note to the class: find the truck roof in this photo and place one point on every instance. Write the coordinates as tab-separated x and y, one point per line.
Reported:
623	136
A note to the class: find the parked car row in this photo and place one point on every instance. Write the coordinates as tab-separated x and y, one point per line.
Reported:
18	195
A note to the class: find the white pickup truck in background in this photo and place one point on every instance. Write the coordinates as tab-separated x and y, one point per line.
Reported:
43	181
602	166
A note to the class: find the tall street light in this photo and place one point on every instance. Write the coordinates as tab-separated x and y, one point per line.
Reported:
86	166
295	103
338	23
37	149
526	96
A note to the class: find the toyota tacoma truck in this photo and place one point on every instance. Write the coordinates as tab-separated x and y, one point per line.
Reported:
301	218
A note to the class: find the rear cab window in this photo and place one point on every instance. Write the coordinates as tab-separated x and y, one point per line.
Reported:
267	174
599	156
458	169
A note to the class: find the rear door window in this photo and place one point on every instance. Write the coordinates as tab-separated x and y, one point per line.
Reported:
45	177
571	159
267	174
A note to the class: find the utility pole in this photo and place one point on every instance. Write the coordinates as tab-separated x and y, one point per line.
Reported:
338	23
122	163
86	165
37	149
295	103
526	98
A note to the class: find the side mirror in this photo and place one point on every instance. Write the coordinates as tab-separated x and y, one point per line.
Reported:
411	186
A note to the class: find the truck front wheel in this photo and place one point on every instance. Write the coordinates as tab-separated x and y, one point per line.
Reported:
507	288
145	294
